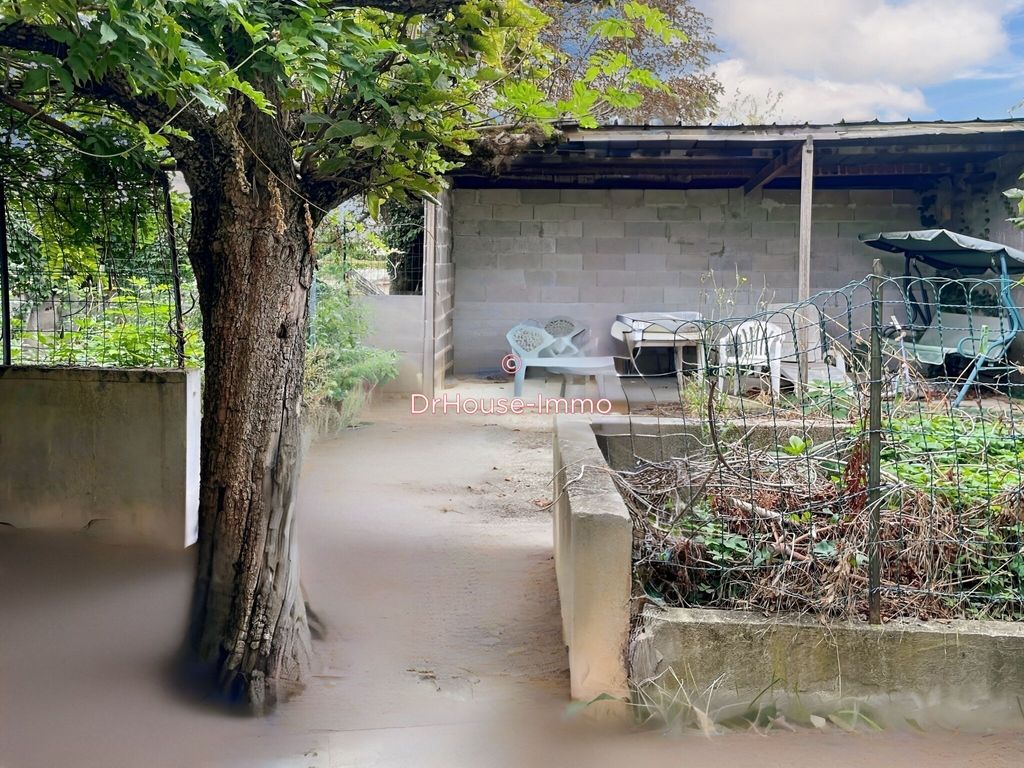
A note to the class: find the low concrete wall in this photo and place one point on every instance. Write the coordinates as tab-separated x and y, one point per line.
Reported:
955	673
951	673
593	551
626	439
112	449
396	322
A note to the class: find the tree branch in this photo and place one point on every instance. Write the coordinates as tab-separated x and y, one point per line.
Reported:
403	7
38	114
116	90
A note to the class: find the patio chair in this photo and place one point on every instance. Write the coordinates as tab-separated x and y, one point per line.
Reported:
563	330
529	343
802	326
751	348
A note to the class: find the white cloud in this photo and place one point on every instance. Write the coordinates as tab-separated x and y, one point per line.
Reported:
855	59
819	100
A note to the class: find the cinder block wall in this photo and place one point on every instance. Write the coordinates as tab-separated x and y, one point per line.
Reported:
591	254
444	291
984	213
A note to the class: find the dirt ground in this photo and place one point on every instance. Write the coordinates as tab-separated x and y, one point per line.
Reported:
427	550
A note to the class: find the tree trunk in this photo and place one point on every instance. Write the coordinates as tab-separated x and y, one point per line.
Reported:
251	248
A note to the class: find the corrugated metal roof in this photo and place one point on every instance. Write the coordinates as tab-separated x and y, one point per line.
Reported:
827	132
872	154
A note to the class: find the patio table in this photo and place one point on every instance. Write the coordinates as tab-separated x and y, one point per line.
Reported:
677	330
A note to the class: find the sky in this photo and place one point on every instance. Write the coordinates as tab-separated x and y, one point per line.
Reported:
828	60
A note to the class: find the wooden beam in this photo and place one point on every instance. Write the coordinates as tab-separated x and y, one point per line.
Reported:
783	161
804	251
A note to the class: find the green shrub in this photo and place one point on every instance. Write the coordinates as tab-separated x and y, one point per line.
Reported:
340	368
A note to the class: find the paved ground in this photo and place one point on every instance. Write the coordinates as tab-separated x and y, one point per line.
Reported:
426	549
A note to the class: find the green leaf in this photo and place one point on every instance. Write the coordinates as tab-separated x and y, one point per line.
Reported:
37	79
345	128
825	549
107	35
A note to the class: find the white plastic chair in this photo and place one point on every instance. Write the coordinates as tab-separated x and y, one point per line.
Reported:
530	343
802	330
563	330
750	348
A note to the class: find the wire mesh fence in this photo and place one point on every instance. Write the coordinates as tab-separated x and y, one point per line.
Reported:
93	275
857	455
383	257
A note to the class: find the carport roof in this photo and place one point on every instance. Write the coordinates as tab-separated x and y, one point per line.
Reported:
907	154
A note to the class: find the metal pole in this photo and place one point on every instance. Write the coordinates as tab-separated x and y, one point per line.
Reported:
172	242
5	277
875	451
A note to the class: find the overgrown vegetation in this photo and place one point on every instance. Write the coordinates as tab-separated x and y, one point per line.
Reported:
785	527
340	368
91	272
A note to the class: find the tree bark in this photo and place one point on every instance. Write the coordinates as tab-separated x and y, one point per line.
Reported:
251	249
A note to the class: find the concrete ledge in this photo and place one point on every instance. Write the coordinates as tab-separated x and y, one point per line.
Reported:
939	670
625	439
112	449
593	554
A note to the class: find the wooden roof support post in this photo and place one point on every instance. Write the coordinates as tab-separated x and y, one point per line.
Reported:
804	258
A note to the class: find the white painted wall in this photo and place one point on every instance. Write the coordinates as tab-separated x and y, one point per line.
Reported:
113	449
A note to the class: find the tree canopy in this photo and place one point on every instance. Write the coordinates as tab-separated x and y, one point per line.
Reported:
380	100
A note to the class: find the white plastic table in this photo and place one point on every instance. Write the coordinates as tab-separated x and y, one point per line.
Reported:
663	329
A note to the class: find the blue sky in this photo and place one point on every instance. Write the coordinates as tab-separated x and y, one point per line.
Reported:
866	59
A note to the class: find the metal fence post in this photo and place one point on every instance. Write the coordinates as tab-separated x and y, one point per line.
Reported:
5	277
875	450
172	244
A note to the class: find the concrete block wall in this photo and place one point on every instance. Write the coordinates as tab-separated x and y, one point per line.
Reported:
591	254
115	450
985	212
444	291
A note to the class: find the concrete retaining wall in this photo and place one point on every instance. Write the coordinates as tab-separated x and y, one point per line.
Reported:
113	449
625	440
593	549
951	673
